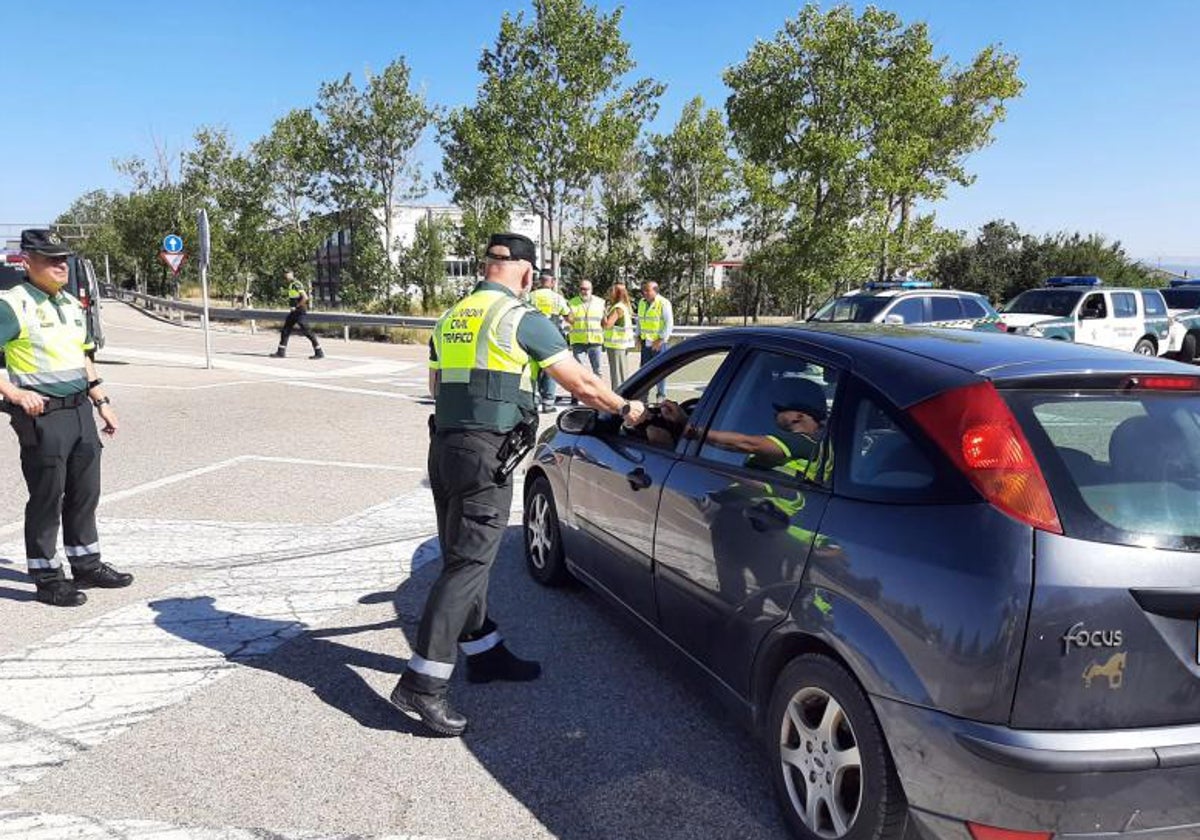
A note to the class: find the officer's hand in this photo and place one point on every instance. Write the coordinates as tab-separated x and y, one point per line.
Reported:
110	420
31	401
637	412
657	345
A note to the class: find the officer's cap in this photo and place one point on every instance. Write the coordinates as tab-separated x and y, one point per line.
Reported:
798	394
45	242
519	247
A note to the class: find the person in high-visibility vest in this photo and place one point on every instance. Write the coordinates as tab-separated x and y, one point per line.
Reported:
50	391
549	302
482	359
298	299
618	331
655	321
587	326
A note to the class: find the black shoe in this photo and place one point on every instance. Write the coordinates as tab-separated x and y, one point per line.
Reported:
279	354
103	576
434	710
60	593
499	663
318	354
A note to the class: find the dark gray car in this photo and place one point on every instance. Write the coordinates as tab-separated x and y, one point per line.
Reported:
959	598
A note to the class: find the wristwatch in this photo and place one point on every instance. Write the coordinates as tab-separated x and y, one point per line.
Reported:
626	408
101	401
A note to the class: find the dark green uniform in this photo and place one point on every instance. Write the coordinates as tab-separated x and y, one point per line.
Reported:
487	350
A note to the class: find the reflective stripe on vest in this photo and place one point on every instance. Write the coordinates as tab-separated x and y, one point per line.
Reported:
485	377
587	321
295	291
620	335
49	350
650	319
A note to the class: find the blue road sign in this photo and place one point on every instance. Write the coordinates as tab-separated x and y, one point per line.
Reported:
173	244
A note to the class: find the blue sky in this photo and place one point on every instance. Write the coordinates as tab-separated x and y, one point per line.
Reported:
1106	137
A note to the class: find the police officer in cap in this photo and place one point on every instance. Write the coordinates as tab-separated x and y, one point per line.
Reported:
484	357
51	390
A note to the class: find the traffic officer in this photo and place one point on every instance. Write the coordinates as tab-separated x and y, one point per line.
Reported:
483	357
654	324
587	326
549	302
51	389
298	299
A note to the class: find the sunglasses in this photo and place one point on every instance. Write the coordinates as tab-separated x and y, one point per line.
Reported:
55	260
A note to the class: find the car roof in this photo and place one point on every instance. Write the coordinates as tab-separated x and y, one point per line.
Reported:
888	293
909	364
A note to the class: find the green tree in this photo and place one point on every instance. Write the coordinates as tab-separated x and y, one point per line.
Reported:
424	263
551	113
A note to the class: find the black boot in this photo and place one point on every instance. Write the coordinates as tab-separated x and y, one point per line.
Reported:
434	710
54	589
103	576
281	353
499	663
318	354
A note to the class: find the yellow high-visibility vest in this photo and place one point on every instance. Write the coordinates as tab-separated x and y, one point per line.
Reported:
587	321
650	319
485	377
549	302
49	353
620	335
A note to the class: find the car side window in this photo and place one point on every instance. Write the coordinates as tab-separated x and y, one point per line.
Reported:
1154	304
947	308
910	310
1094	306
774	418
684	385
973	308
882	455
1124	304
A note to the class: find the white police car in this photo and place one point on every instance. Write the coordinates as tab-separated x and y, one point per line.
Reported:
1183	304
1079	309
908	302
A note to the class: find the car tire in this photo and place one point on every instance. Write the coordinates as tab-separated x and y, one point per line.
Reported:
1145	347
830	764
544	554
1187	351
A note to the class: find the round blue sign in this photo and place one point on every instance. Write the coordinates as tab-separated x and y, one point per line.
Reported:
173	244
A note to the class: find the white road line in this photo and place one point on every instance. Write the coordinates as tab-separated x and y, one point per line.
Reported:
28	825
374	367
322	386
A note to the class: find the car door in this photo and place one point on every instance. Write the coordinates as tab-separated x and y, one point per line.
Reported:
736	524
1157	318
1093	320
907	310
616	479
1127	324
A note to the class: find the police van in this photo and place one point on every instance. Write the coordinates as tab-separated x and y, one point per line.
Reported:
81	282
1081	310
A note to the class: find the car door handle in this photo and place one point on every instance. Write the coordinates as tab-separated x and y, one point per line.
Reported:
638	478
764	516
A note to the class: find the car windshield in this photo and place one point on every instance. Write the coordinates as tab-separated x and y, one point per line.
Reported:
1123	467
1056	302
1182	298
857	308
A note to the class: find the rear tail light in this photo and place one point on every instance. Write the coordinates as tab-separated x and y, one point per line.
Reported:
986	832
974	427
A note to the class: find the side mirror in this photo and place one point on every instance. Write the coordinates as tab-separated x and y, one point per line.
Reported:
577	421
893	319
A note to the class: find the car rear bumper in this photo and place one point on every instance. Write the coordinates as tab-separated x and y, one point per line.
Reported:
1135	783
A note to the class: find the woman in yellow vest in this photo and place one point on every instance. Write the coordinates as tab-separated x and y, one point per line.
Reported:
618	332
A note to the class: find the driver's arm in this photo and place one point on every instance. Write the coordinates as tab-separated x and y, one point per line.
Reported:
760	445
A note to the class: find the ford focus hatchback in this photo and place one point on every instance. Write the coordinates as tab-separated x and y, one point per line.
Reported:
950	578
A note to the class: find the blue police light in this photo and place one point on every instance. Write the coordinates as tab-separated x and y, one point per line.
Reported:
1194	281
876	285
1088	280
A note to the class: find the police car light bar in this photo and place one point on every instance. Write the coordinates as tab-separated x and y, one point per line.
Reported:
1194	281
897	284
1090	280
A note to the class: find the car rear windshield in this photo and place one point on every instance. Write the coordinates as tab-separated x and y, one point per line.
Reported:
1056	302
1123	467
1182	298
857	308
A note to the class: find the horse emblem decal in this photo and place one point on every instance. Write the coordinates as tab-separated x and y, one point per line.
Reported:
1113	670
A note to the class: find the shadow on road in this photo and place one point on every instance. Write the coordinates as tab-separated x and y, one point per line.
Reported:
309	658
618	738
9	571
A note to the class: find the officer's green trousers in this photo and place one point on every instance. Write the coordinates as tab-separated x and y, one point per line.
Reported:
472	513
60	459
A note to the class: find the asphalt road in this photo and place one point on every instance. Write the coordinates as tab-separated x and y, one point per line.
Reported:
276	515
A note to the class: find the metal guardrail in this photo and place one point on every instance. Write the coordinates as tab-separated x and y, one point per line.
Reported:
346	319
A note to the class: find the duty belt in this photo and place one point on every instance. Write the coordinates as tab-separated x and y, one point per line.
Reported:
50	404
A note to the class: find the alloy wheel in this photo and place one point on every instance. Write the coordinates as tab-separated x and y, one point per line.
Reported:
540	538
821	763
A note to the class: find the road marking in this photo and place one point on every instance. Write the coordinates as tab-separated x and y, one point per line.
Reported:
374	367
39	826
321	386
